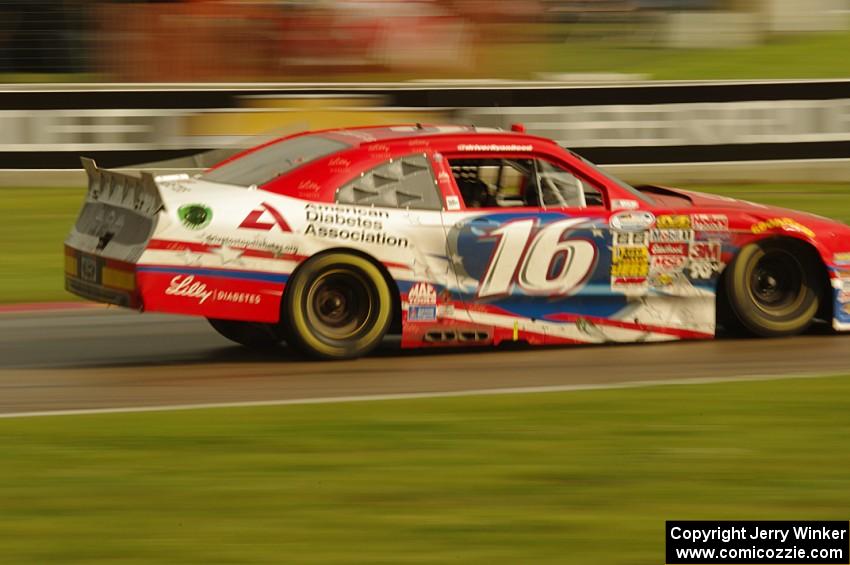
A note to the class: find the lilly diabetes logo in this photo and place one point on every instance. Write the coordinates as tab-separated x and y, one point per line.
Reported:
546	255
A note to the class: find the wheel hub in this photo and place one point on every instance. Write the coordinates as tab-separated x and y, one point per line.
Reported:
339	304
332	305
776	281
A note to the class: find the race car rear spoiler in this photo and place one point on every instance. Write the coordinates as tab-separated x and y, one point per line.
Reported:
139	194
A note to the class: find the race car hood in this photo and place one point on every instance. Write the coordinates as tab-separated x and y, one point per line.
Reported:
832	233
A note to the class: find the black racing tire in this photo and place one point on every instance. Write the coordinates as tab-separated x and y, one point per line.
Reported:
337	306
773	287
254	335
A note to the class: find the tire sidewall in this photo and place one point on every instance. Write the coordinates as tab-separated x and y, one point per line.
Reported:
297	291
753	318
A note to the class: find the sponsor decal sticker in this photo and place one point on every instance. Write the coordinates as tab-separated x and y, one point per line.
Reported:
350	223
258	242
632	221
624	204
636	238
493	147
788	224
842	258
309	187
671	236
678	221
422	303
710	222
629	285
668	263
195	216
705	251
188	286
339	163
265	217
452	203
662	279
668	249
629	261
705	259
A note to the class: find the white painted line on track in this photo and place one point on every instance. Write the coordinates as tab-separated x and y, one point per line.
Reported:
417	395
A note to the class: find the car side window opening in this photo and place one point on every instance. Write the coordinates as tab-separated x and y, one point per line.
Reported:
405	182
491	183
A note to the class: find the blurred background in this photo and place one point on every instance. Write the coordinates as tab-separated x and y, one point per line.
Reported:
348	40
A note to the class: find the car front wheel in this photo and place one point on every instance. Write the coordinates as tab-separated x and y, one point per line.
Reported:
773	287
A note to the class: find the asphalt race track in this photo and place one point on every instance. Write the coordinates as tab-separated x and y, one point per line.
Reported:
98	358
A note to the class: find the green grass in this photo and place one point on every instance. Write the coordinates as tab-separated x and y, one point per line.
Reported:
33	225
35	221
830	200
807	56
585	477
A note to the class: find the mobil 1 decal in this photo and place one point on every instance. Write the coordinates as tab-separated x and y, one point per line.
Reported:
534	264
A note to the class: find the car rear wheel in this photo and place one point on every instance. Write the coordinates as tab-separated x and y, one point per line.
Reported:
250	334
772	287
338	306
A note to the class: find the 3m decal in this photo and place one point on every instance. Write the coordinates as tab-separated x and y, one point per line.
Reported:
255	219
705	259
705	251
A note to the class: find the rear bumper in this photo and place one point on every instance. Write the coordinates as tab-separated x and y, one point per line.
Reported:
100	279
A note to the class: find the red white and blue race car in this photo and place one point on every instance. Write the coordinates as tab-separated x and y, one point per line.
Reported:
447	236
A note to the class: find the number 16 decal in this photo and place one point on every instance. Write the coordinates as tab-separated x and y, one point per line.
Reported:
528	260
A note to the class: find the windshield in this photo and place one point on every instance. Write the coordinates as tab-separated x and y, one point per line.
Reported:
622	184
263	165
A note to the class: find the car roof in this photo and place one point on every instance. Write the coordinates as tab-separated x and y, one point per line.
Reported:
387	134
